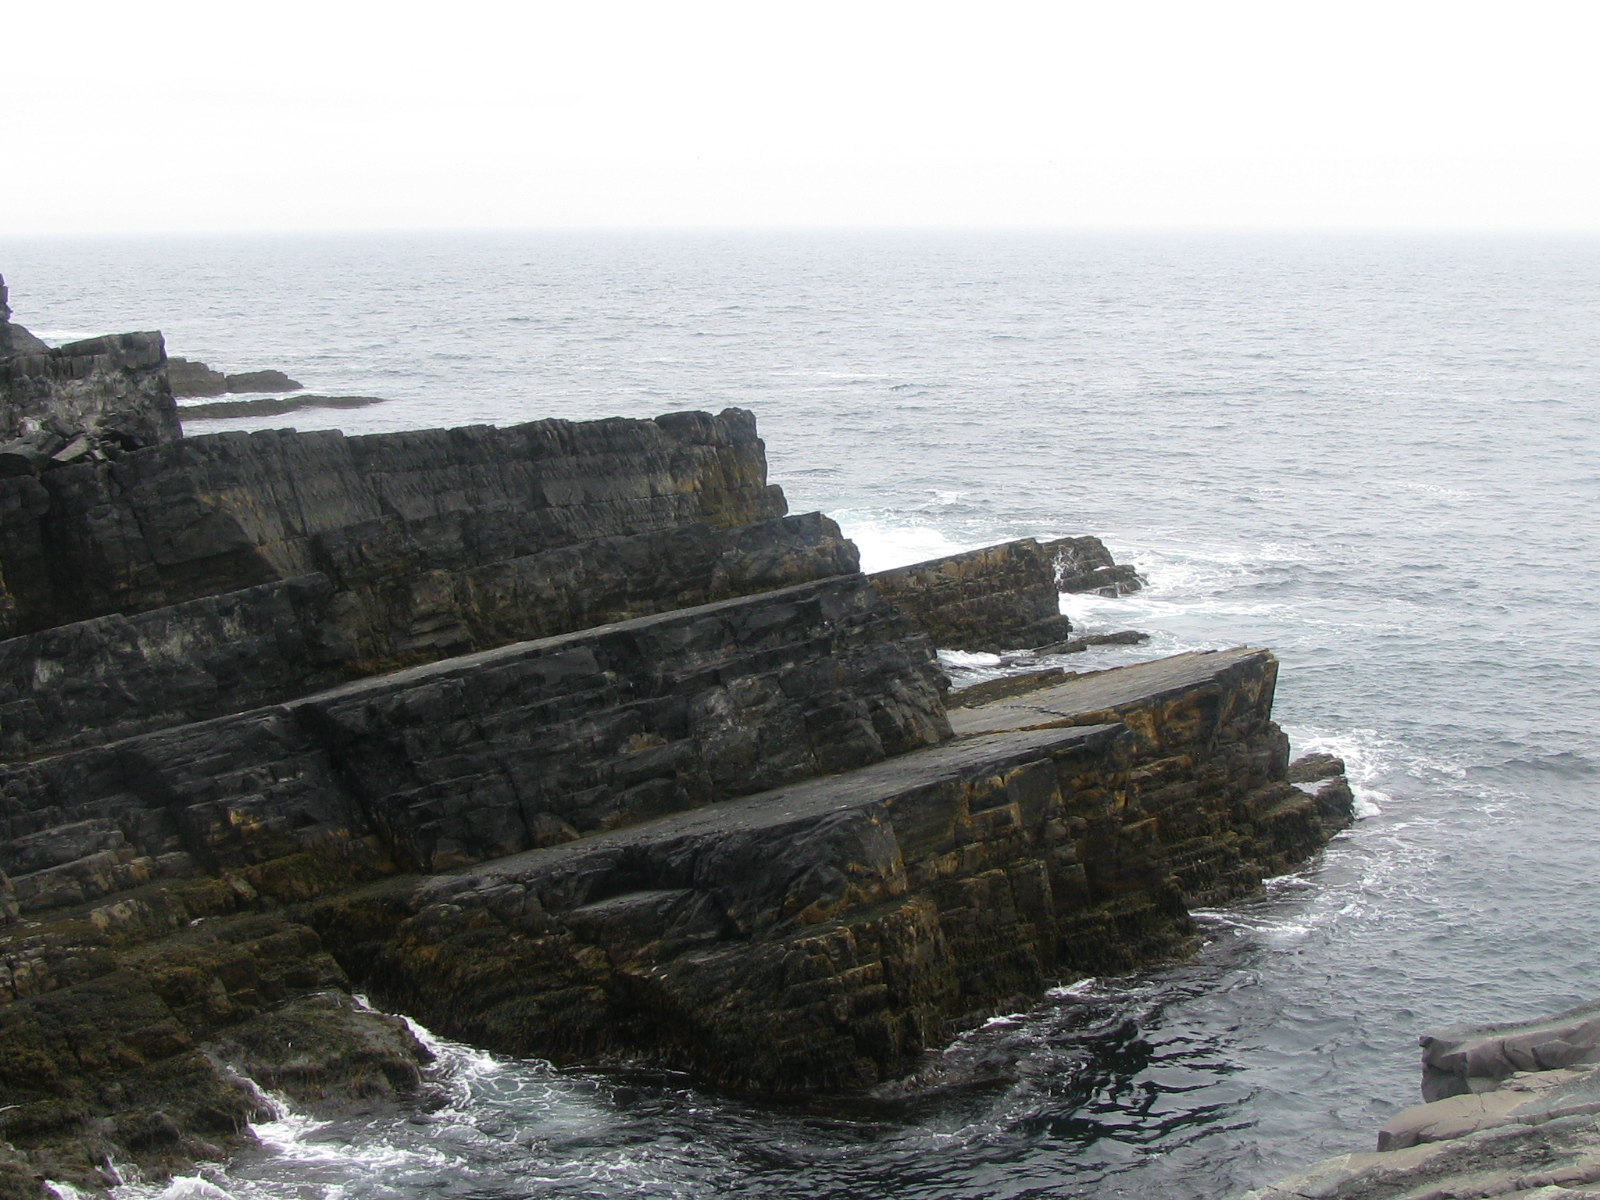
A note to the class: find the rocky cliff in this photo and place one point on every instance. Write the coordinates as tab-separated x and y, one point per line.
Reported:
207	515
562	738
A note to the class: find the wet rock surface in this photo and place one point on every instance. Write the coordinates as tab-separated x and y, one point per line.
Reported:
1083	564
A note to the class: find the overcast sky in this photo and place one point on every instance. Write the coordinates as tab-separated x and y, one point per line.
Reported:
172	115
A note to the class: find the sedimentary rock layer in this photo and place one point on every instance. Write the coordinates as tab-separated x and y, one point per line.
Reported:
1212	776
824	935
112	677
218	513
997	598
489	753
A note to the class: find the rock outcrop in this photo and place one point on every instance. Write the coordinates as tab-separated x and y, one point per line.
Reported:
197	379
112	388
1509	1110
194	379
111	677
262	381
1083	564
263	407
14	339
222	512
1007	596
827	934
563	738
998	598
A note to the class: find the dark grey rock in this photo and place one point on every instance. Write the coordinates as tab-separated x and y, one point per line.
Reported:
194	378
223	409
14	339
994	599
1083	564
1310	768
262	381
218	513
495	752
824	935
1124	637
114	388
112	677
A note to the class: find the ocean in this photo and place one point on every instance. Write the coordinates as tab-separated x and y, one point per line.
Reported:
1376	455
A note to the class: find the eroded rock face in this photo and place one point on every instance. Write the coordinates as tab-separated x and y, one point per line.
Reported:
218	513
998	598
488	754
112	677
114	388
824	935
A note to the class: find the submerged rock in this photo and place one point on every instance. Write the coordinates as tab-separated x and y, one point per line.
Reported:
271	408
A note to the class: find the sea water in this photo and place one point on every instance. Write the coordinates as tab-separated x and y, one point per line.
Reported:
1375	455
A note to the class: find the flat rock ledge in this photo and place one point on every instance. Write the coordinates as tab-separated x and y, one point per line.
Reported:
1509	1110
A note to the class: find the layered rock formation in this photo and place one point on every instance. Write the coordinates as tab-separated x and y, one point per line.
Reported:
1509	1110
997	598
826	935
222	512
563	738
1006	597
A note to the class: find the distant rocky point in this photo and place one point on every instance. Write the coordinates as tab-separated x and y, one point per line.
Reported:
197	379
265	407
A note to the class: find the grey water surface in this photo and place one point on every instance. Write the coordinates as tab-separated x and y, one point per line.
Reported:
1376	455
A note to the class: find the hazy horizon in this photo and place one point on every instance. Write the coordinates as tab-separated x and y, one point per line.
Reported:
185	118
